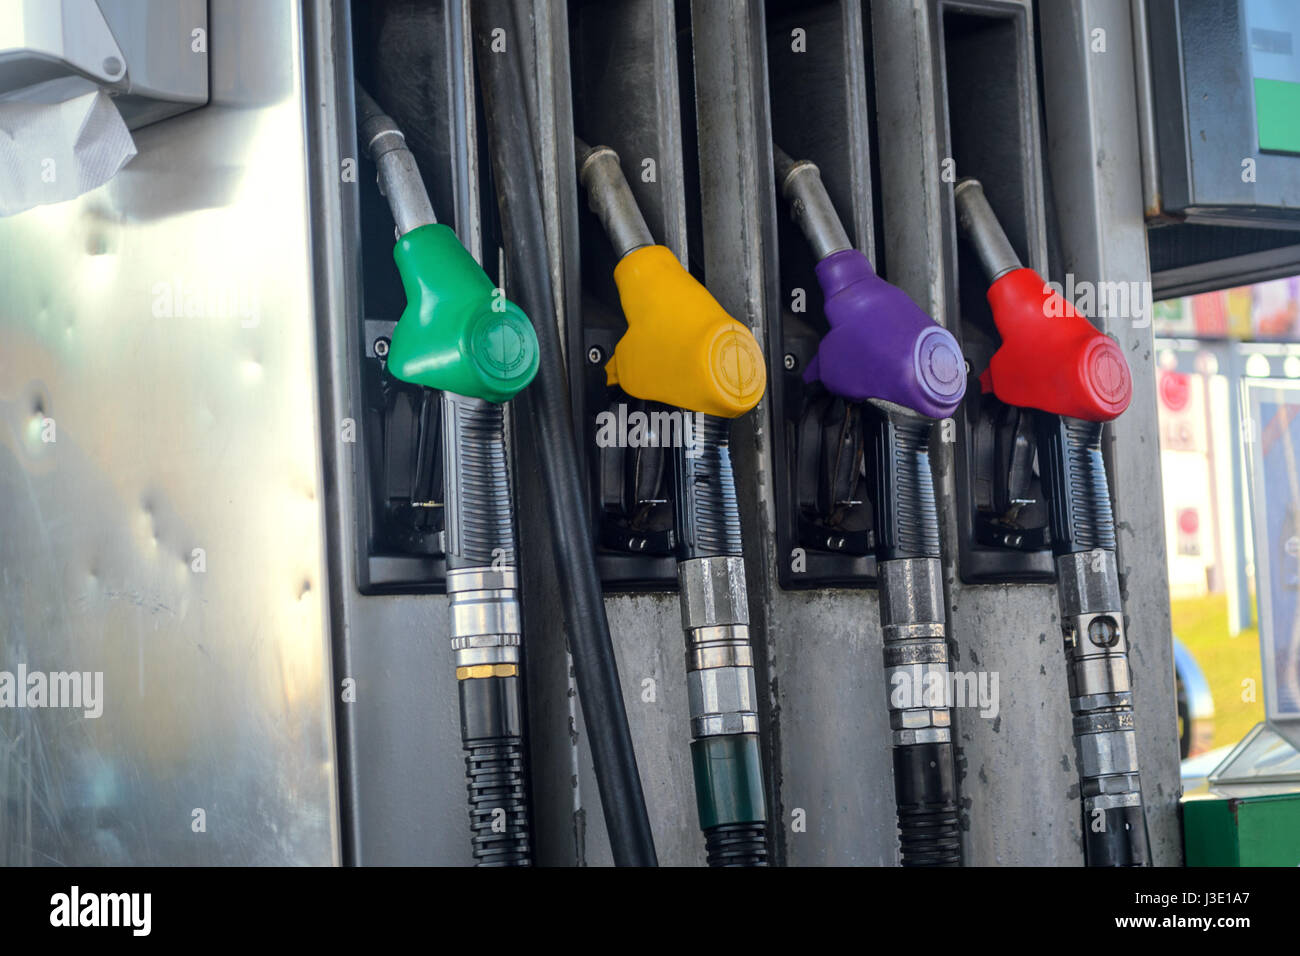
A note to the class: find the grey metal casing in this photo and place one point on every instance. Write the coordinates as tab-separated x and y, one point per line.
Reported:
152	54
1202	111
97	555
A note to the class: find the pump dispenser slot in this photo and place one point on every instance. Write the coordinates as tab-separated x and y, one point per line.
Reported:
398	454
621	70
993	135
819	112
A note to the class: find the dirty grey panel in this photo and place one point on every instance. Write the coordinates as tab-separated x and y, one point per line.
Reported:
1016	768
647	633
836	773
157	397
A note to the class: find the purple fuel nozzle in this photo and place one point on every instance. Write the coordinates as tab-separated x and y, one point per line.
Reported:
881	345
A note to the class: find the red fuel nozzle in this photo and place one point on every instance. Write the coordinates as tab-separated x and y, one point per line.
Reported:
1051	357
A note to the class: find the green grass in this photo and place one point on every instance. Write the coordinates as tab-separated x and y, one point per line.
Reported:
1202	625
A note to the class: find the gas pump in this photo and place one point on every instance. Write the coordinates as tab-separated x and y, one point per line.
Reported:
883	351
1052	360
682	349
459	335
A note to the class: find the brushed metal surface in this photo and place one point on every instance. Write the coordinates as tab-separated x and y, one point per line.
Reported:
160	329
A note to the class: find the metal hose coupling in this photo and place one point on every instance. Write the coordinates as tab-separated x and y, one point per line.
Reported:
723	699
916	650
719	660
1101	698
1096	645
916	671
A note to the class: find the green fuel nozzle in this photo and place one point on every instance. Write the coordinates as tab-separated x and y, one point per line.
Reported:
460	335
458	332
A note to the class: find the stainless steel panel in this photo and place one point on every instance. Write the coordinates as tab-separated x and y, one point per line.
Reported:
158	396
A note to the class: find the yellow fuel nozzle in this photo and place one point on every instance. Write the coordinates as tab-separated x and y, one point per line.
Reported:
681	347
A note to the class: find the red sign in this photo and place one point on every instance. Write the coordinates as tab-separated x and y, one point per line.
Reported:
1175	390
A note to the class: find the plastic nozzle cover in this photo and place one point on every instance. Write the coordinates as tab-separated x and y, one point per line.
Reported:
681	347
1051	357
457	332
881	345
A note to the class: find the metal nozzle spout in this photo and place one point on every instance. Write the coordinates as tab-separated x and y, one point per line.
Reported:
399	177
977	222
611	199
801	184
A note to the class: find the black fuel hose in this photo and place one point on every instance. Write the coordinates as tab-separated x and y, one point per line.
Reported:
546	407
